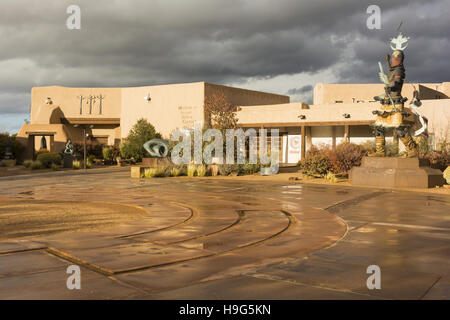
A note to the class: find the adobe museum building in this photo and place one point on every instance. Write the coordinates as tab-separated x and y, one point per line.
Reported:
340	112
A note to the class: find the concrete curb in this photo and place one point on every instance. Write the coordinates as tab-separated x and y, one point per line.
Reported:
65	173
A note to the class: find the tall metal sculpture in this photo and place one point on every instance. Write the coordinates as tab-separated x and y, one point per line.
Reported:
392	113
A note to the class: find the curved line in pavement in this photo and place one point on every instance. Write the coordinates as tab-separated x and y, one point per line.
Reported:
194	214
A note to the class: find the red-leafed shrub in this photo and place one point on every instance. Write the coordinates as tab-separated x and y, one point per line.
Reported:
345	156
438	159
321	160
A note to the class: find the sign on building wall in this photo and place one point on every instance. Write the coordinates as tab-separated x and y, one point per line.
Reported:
292	148
187	118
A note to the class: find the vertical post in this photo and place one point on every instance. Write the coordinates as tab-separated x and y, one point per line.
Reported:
52	143
30	147
347	133
84	147
303	143
333	137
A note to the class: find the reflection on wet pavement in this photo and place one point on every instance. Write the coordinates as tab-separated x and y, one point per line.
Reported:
209	238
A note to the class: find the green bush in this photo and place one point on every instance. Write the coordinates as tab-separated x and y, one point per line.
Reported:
201	170
76	164
54	167
17	148
49	158
27	163
132	146
155	172
230	169
36	165
177	171
90	159
249	168
191	170
107	154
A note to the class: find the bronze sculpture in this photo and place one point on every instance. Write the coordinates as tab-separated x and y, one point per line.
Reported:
392	113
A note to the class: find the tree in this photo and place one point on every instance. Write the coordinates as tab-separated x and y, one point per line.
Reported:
221	112
132	146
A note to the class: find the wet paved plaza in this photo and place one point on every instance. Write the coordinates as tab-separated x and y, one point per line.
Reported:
208	238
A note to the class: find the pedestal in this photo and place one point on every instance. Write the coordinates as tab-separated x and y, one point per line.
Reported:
68	161
154	162
395	173
137	171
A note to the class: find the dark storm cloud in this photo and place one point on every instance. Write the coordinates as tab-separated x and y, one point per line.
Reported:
129	43
302	90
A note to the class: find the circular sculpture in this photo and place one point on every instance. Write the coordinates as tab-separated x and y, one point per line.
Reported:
157	148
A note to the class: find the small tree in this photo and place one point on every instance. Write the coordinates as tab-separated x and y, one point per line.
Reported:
221	112
132	146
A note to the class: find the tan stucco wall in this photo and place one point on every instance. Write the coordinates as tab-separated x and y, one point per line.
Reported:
438	114
244	97
69	103
290	112
352	93
171	107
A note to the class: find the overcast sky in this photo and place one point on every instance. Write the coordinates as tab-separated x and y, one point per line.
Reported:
281	46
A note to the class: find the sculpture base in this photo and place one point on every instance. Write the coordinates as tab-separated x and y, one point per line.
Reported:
395	173
154	162
137	171
68	161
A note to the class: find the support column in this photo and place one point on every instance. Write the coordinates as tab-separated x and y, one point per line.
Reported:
333	137
29	154
303	143
347	133
52	144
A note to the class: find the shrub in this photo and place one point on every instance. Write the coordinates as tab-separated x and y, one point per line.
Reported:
201	170
345	156
90	160
438	159
331	177
230	169
154	172
132	146
316	161
36	165
76	164
49	158
107	154
16	147
54	167
175	172
179	170
41	151
447	175
368	146
249	168
27	163
191	169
